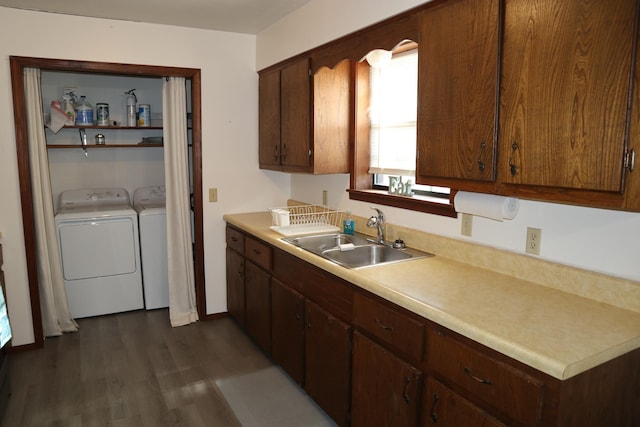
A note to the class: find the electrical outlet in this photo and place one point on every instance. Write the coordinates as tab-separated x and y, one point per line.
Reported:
467	224
534	238
213	195
325	198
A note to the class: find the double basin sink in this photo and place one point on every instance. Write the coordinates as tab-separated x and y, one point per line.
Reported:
354	251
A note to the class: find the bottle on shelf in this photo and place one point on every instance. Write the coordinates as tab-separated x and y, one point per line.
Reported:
132	100
84	112
68	106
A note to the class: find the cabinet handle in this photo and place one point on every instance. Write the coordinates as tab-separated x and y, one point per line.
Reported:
297	311
512	165
284	152
256	251
434	416
383	326
481	165
630	160
234	239
405	396
275	153
480	380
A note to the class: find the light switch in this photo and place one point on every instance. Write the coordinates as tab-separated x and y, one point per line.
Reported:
213	195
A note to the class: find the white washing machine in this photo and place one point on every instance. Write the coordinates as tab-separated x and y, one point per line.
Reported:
149	202
100	251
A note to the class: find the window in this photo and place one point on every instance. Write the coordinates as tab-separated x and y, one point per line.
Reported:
393	106
387	115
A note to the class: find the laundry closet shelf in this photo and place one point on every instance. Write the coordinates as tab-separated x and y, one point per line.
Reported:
104	146
111	127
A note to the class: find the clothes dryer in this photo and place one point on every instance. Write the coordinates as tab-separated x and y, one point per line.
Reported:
149	202
100	251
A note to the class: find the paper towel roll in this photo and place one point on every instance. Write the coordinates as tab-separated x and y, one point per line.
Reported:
486	205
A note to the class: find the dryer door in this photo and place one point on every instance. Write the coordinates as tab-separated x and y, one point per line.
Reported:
97	248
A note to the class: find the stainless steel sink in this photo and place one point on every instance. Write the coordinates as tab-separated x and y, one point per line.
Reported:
358	252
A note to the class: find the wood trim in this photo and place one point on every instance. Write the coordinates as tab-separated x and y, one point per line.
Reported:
24	176
216	316
414	203
385	34
17	65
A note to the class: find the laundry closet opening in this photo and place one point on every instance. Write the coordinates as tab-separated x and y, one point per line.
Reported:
111	155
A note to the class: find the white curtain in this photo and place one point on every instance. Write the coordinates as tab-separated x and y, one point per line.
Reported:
56	317
182	296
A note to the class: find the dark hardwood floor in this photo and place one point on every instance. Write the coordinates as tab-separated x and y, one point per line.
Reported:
131	369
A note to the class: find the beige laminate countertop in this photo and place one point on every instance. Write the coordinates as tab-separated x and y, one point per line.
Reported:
556	332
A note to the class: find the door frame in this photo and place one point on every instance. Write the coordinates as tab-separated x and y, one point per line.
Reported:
18	64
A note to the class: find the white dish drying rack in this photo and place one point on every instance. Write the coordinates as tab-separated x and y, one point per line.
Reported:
305	219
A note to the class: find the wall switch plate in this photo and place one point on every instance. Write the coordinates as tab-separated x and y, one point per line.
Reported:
467	224
325	198
213	195
534	238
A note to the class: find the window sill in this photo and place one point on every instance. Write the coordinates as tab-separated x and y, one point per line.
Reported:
432	205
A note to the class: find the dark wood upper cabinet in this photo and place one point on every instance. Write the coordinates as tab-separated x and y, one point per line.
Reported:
269	119
457	86
537	100
295	117
566	76
305	118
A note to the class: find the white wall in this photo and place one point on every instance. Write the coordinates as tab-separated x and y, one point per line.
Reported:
595	239
229	126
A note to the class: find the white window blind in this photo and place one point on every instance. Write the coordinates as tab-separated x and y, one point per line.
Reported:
392	112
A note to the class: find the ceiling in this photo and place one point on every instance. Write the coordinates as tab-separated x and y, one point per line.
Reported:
238	16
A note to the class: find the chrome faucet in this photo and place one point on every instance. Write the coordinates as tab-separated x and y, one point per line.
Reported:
378	221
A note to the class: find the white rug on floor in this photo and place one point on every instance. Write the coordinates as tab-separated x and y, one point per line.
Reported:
270	398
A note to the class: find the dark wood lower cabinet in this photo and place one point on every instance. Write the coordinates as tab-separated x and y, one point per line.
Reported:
258	305
404	370
444	408
287	330
385	390
327	362
235	286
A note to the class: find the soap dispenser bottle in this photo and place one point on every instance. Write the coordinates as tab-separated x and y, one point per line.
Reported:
348	224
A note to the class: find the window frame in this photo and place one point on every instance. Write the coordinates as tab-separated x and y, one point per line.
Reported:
361	181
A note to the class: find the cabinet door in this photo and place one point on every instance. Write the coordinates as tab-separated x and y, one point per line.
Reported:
444	408
385	388
269	119
287	329
565	86
331	119
258	305
235	286
327	362
295	116
457	86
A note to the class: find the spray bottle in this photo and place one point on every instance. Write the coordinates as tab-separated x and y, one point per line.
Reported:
132	100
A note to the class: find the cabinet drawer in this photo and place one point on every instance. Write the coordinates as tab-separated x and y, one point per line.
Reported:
445	408
400	331
235	240
258	252
505	388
